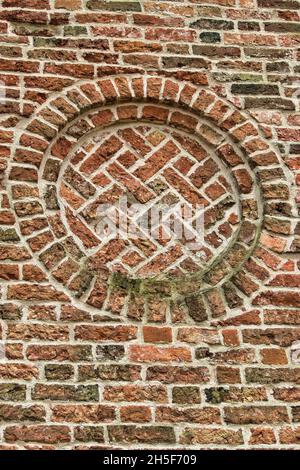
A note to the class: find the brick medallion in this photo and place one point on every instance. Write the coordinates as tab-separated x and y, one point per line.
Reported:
152	141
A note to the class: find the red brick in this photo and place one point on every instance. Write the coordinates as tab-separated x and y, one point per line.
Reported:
183	121
173	374
273	356
262	436
156	161
41	433
135	414
289	435
78	70
34	292
231	337
205	415
154	334
218	436
170	34
82	413
18	371
156	354
58	353
256	415
228	375
37	332
105	333
136	393
68	4
9	272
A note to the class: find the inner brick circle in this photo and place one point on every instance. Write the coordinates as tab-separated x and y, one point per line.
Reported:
147	165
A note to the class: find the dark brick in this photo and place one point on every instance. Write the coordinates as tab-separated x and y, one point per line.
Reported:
207	23
186	395
113	6
142	434
248	26
111	352
210	37
282	4
254	89
283	27
269	376
59	371
269	103
10	312
12	392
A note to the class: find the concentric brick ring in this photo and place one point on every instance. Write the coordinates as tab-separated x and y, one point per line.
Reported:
67	134
144	161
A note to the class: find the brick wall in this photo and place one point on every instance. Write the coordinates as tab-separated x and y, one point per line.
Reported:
146	343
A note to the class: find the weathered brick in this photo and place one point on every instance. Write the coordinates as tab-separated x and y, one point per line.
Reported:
234	394
135	393
65	392
289	435
83	413
153	334
59	371
198	335
58	353
269	376
205	415
139	434
256	415
20	331
135	414
286	394
19	413
156	354
171	374
114	5
128	373
18	371
262	436
38	433
89	433
228	375
12	392
218	436
36	292
105	333
279	336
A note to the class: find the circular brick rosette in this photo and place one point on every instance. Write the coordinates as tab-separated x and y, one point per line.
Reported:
152	142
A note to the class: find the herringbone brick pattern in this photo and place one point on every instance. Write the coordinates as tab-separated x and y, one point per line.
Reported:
152	166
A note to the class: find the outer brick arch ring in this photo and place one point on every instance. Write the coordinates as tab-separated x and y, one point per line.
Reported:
83	108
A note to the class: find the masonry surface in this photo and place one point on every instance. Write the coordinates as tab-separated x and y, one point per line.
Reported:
145	343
